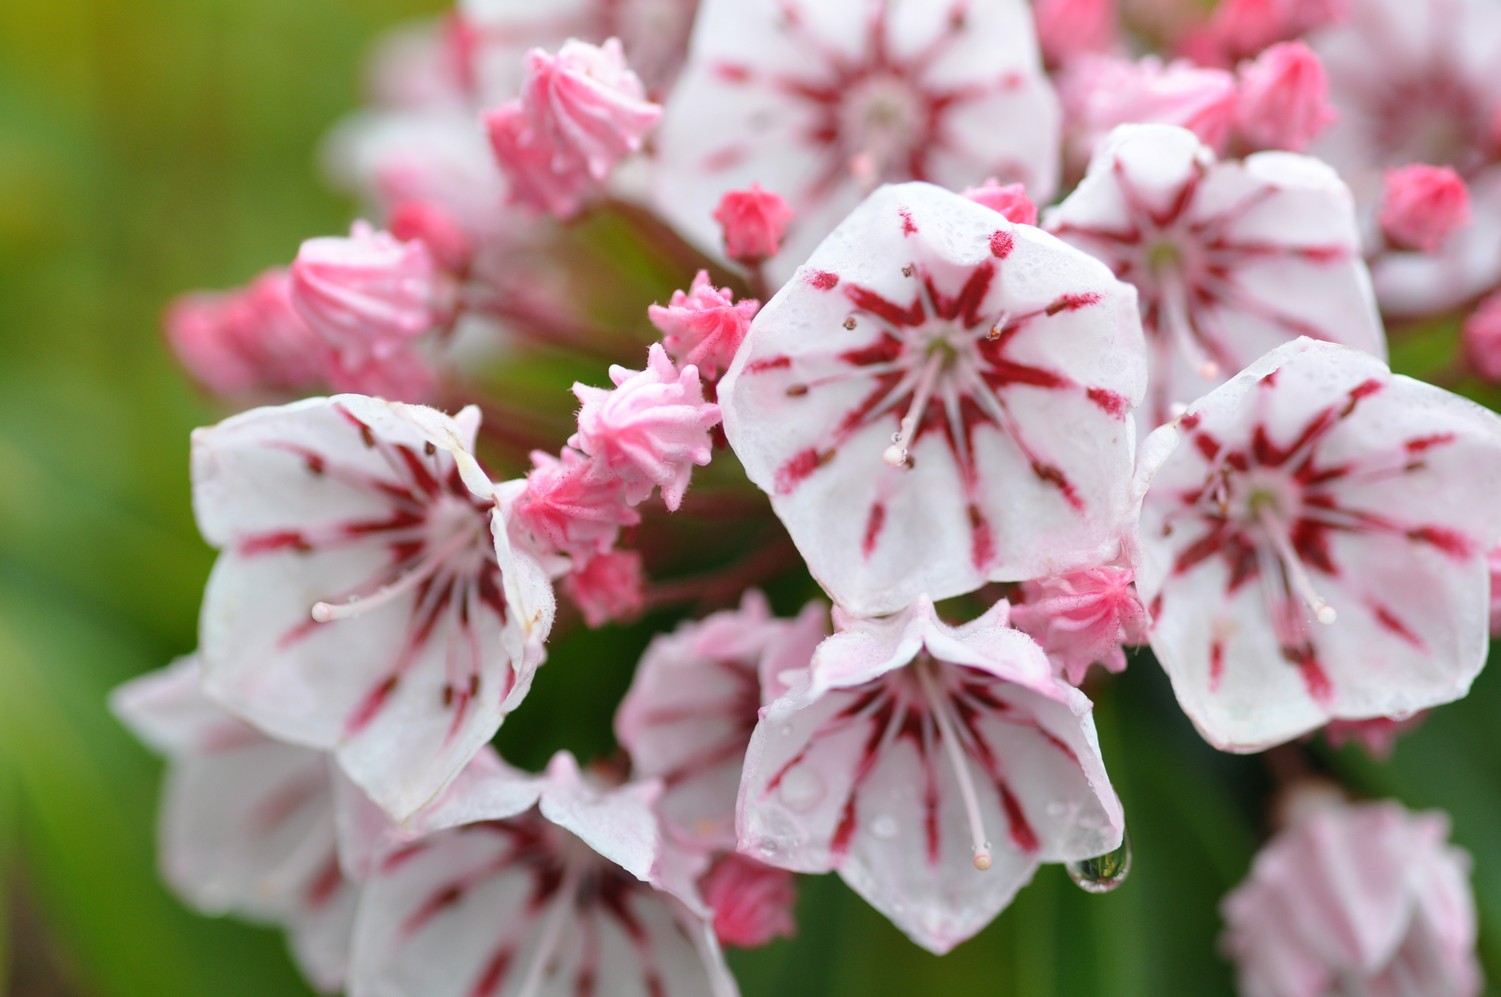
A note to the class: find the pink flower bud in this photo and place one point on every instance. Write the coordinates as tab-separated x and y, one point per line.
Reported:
753	221
1283	101
1082	618
1009	199
1102	92
650	429
1067	29
1378	735
368	293
246	340
580	112
401	374
752	902
608	587
573	507
1242	28
1422	206
1494	559
1482	341
429	224
704	326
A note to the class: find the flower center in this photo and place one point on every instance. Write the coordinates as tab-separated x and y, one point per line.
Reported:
880	118
940	356
1265	515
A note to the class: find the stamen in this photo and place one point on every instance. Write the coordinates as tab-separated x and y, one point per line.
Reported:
1292	564
327	612
552	932
1174	315
939	704
896	455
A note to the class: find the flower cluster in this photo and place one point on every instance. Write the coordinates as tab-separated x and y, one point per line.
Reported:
1006	443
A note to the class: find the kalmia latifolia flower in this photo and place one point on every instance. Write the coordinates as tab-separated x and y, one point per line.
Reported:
581	111
821	101
247	823
1313	546
527	886
1082	618
934	768
1416	83
1230	258
1422	206
958	387
753	221
367	599
651	429
704	326
247	341
693	704
1356	898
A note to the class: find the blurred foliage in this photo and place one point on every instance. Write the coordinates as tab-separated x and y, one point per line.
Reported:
156	145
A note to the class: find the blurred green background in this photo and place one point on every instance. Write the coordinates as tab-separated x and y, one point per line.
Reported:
149	146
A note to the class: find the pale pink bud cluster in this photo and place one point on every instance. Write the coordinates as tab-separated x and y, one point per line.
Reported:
1082	618
752	903
610	586
1421	206
1067	29
1105	91
430	225
1283	100
704	326
1494	562
580	112
572	508
367	293
1377	736
1482	339
1010	199
753	222
248	340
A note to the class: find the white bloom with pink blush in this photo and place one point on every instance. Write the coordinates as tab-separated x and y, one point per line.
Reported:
1230	258
1356	899
651	429
1313	546
247	823
367	599
704	326
940	398
933	767
522	886
1417	83
693	704
821	101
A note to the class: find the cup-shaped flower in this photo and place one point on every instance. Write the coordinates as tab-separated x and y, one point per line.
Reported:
367	599
1313	545
821	100
933	767
694	702
651	429
940	398
1365	898
534	886
1231	258
247	823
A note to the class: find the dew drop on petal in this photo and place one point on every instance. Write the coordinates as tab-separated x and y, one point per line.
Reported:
801	789
1102	873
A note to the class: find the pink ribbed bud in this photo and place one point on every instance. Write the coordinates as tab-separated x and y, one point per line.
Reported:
246	340
1082	618
1422	206
429	224
651	429
572	507
1482	339
753	222
1067	29
704	326
367	294
580	112
608	587
1494	559
752	902
1010	199
1283	102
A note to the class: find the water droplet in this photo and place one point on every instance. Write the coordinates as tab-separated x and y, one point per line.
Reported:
884	827
1102	873
786	730
768	847
801	789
